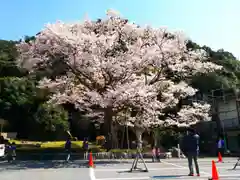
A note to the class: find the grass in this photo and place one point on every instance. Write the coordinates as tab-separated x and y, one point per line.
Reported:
59	145
45	145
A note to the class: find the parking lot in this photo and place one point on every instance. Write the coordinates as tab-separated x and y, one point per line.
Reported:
114	170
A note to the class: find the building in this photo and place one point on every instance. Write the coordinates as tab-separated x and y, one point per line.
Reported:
226	113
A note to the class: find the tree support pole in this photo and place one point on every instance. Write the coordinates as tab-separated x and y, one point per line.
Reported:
139	154
237	164
135	162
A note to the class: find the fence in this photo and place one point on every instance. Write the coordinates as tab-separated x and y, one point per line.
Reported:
109	156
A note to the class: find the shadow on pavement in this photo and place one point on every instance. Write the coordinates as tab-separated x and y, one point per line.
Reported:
21	165
169	176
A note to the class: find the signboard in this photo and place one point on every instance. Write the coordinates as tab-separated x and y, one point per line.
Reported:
2	150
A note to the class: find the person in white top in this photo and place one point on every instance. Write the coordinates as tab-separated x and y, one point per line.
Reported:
2	147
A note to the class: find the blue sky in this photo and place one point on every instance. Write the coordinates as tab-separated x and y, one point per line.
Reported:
211	22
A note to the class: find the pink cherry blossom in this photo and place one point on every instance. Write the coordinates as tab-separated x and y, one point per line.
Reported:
117	65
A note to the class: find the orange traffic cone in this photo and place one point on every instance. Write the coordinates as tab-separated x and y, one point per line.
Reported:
219	157
214	172
91	166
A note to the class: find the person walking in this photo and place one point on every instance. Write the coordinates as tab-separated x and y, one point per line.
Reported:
220	146
68	146
190	148
11	152
153	153
85	148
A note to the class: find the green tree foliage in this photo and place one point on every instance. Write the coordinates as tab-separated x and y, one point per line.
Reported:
16	100
167	137
16	91
8	54
54	121
227	78
21	103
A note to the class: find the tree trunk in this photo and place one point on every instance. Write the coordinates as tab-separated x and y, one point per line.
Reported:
139	132
114	136
155	137
108	116
123	136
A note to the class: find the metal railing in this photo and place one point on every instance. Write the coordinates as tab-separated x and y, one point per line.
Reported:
108	156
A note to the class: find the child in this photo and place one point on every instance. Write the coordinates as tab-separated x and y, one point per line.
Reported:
85	148
155	154
11	151
158	154
68	146
14	148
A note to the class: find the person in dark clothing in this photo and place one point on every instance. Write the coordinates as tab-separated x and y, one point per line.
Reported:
220	146
68	146
190	148
11	151
85	144
85	148
2	140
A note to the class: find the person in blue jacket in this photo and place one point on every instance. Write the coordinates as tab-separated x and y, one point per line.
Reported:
85	148
220	146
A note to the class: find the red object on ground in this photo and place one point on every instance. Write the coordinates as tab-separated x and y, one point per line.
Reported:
219	157
214	171
91	165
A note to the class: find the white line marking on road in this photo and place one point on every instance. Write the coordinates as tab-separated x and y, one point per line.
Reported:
152	177
223	167
127	178
150	169
205	174
157	169
92	174
225	175
179	166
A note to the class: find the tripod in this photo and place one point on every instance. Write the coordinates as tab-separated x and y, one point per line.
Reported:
237	163
134	164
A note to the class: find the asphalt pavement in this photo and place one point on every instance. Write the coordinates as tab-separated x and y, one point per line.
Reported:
114	170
